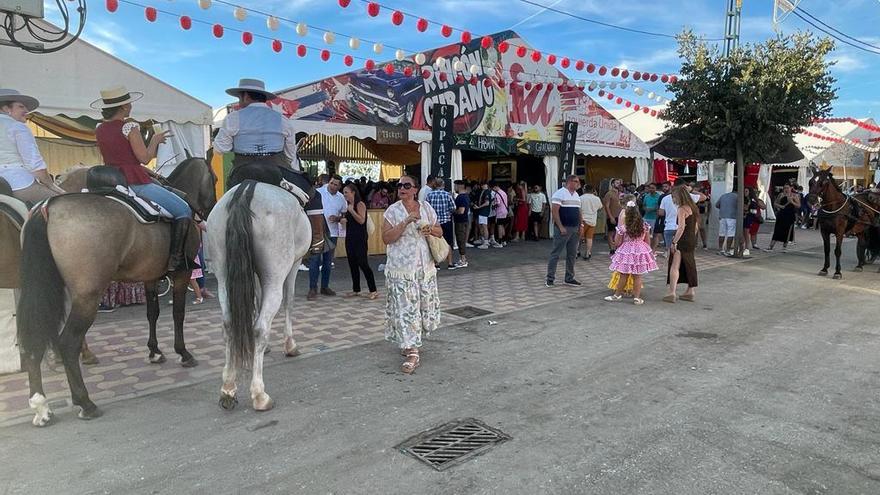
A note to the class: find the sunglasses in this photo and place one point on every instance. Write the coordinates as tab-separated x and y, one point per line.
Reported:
405	185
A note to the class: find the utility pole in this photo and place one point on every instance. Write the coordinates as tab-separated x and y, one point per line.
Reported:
731	35
731	43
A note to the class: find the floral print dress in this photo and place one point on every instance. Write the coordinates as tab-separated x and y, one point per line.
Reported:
412	303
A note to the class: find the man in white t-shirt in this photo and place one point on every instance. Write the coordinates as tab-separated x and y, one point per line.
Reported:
590	206
566	211
537	205
321	264
669	211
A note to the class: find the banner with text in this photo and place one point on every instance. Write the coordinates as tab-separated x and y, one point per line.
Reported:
441	142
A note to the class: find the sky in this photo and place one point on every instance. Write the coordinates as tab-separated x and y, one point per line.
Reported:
204	66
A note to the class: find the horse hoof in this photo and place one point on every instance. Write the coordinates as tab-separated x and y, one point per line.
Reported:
157	358
263	403
858	269
189	362
294	352
88	413
89	359
42	420
268	350
823	273
837	276
228	402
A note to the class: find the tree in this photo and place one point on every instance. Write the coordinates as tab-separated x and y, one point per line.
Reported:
747	106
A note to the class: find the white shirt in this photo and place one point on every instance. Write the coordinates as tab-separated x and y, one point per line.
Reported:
668	206
334	205
590	206
224	140
19	155
537	202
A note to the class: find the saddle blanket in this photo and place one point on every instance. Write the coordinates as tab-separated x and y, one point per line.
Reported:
144	210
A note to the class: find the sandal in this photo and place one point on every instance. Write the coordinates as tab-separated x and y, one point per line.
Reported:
687	297
638	301
199	300
352	294
613	298
411	363
670	298
373	295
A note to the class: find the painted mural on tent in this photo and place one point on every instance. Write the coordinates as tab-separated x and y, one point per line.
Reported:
491	108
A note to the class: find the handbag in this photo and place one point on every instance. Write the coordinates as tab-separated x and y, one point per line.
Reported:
438	246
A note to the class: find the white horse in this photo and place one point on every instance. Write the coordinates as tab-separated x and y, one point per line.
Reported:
257	236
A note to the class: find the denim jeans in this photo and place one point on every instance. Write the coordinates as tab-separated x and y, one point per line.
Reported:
569	242
164	198
320	265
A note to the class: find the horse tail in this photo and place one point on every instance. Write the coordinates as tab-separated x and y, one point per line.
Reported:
240	270
872	236
41	310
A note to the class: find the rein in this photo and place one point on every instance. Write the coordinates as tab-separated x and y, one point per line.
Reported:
845	201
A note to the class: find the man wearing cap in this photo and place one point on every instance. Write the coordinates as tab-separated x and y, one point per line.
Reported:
261	137
21	164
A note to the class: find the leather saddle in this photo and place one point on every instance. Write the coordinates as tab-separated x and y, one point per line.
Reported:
110	183
286	178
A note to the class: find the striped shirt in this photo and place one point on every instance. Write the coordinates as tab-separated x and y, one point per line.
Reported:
569	207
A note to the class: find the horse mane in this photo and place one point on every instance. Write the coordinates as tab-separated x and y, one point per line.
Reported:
184	165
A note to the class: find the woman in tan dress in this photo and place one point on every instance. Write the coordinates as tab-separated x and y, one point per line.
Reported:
682	266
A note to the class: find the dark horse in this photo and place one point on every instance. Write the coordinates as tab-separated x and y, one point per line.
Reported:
81	242
840	215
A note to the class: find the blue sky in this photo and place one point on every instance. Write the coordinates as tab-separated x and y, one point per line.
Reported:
204	66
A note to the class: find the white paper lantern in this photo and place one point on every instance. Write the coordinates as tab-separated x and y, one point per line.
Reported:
613	85
272	23
459	66
640	91
474	69
399	55
439	62
592	86
239	13
329	38
651	95
354	43
377	48
623	85
602	84
205	4
660	99
302	29
420	58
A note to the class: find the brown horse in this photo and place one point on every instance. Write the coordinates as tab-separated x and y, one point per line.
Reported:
840	215
81	242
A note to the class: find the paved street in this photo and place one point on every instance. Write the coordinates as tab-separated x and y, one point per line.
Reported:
768	384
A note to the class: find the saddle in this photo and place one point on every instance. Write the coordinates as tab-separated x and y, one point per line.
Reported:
286	178
110	183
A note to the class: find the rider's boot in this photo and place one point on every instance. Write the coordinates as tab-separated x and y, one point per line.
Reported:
317	221
177	260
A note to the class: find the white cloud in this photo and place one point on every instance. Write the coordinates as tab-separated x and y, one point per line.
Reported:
849	63
108	36
651	60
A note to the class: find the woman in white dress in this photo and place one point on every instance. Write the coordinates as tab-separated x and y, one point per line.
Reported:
412	305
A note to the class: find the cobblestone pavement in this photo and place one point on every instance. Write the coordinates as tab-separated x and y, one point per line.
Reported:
498	281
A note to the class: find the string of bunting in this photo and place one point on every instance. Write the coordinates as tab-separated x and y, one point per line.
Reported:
838	139
623	101
850	120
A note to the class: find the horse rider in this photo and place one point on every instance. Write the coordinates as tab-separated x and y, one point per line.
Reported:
21	164
122	146
263	138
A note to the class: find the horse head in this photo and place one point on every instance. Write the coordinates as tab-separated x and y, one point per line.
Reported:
821	187
195	177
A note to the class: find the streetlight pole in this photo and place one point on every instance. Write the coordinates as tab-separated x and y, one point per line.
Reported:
731	43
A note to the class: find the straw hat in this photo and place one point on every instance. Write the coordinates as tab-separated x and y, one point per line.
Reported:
115	97
12	95
251	86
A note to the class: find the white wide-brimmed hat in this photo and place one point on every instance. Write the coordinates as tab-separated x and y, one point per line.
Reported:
251	86
115	97
12	95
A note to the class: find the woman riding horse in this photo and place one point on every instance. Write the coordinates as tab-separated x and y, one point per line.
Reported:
123	147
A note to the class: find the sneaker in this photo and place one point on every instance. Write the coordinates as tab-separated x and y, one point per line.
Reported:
549	283
497	246
729	254
451	267
303	267
613	298
468	245
746	252
462	264
722	253
589	256
573	283
105	309
483	246
327	291
313	294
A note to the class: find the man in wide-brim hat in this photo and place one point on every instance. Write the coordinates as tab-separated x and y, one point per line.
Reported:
262	138
21	164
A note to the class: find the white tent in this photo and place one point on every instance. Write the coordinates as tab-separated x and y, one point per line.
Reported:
67	81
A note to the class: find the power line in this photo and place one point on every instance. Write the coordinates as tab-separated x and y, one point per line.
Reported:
829	33
606	24
811	16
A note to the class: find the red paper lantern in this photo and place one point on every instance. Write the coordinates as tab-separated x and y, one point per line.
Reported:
579	65
561	87
628	104
301	50
603	70
408	71
653	113
217	29
637	75
466	37
185	23
422	25
487	83
112	5
673	79
446	31
501	83
277	46
528	86
459	79
325	55
443	77
373	9
520	51
539	86
369	64
646	110
397	18
348	60
654	77
150	13
664	79
536	56
473	80
503	47
551	59
624	73
389	69
601	93
619	100
565	62
591	68
636	107
610	96
486	42
344	3
426	74
615	72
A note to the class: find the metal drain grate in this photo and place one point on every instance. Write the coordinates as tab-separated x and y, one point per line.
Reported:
468	312
452	443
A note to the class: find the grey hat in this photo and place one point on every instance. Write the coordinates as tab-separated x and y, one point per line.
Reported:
12	95
251	86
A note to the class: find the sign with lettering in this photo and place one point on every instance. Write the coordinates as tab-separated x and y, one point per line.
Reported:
569	139
441	141
392	135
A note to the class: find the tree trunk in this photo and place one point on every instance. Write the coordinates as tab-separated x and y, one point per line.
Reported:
740	170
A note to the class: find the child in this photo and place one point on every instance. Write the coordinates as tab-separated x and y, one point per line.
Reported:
634	256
